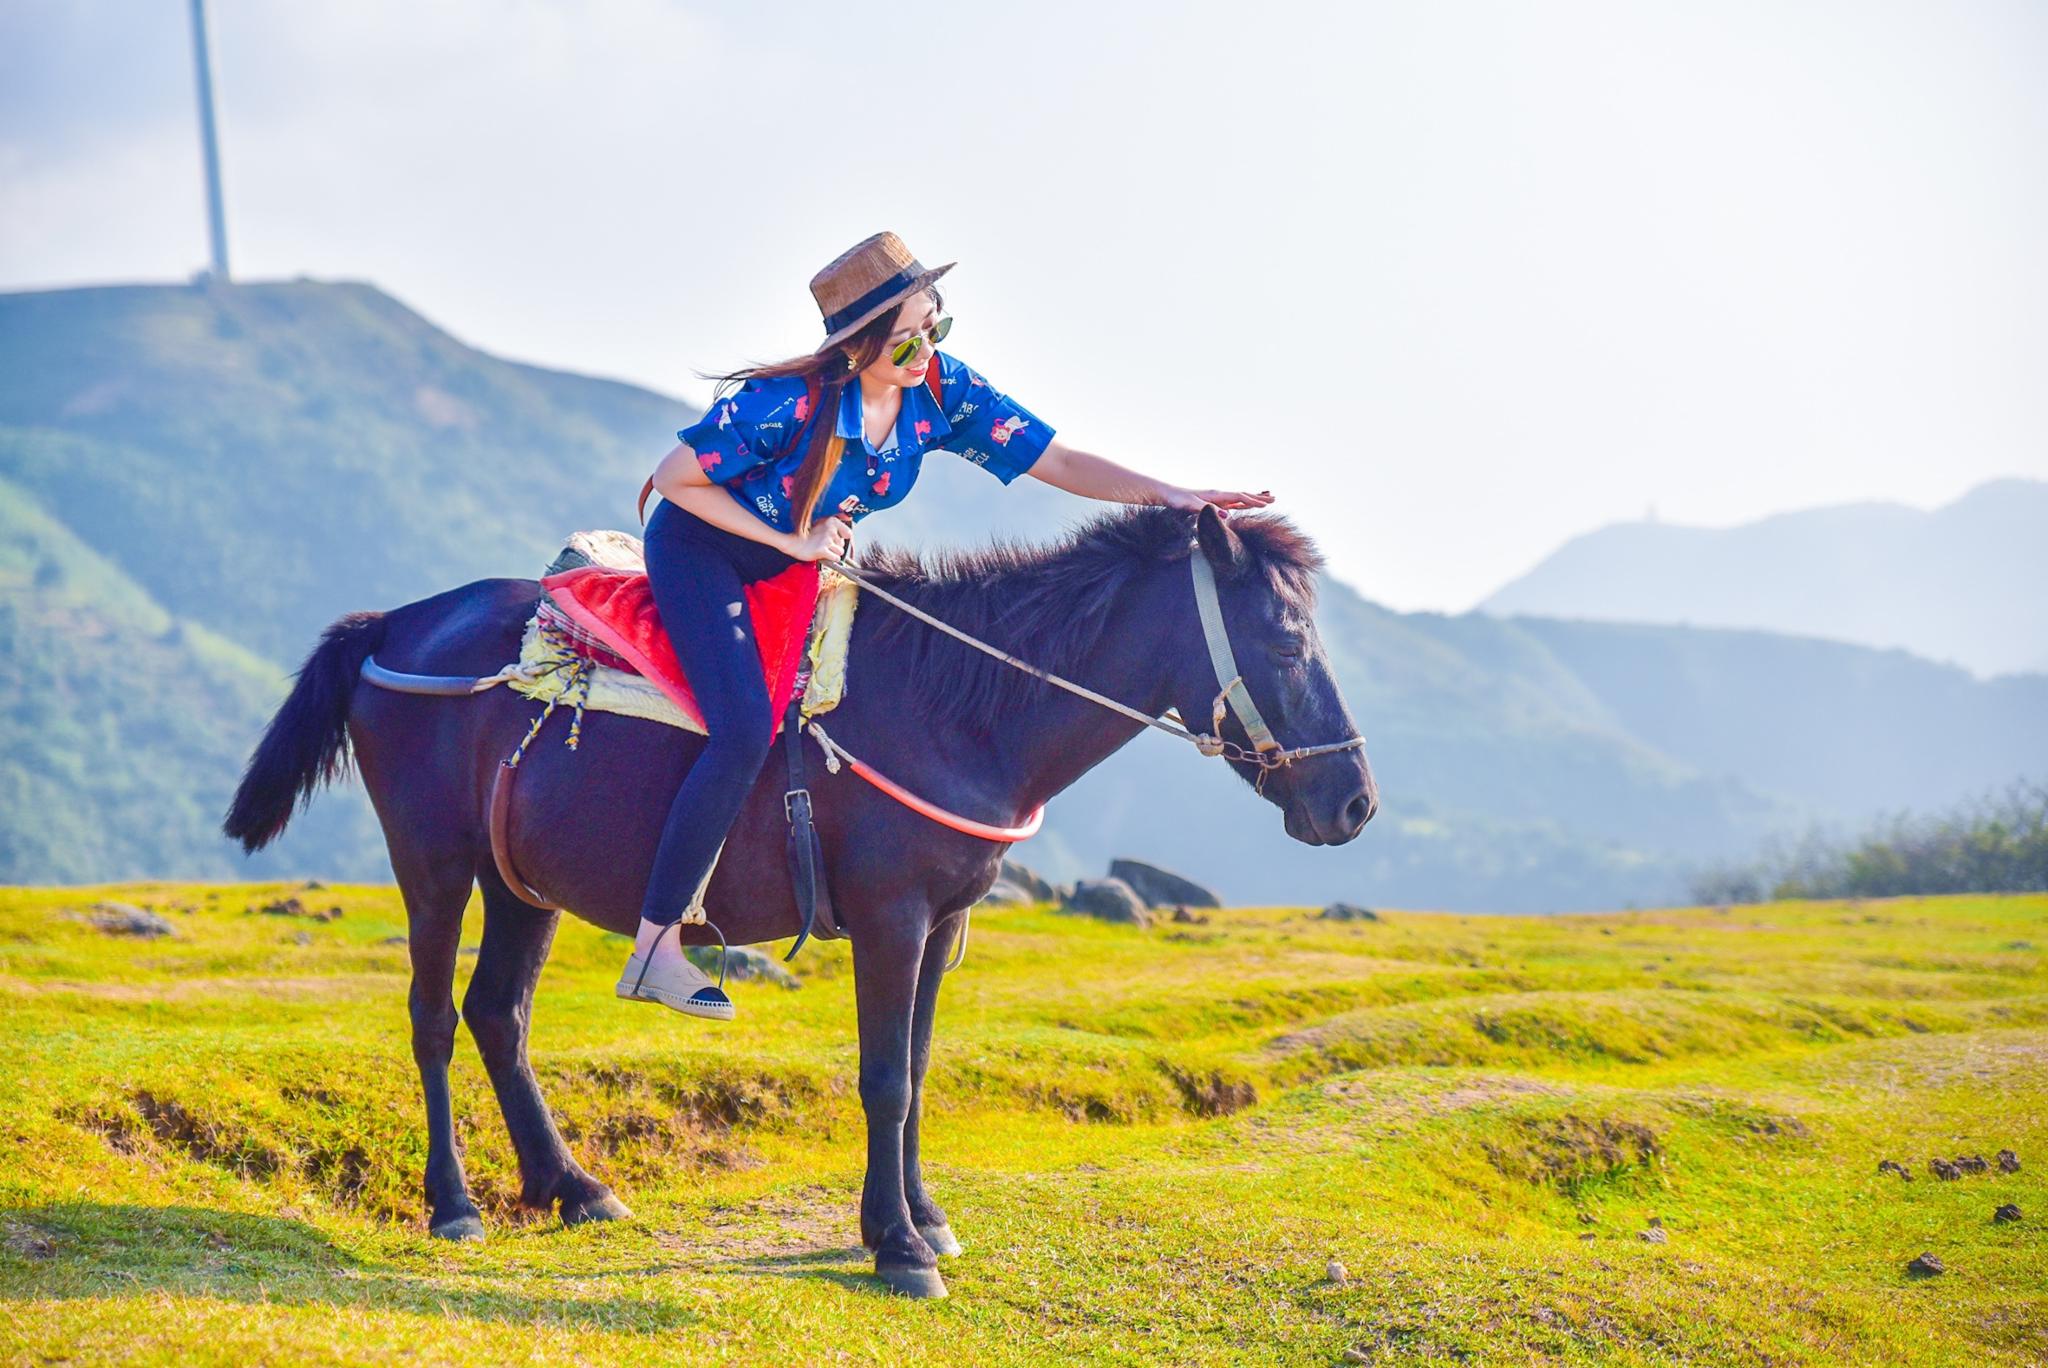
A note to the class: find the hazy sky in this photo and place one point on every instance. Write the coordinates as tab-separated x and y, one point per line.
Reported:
1455	280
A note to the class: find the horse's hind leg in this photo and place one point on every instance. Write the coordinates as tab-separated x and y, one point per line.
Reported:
499	1008
435	891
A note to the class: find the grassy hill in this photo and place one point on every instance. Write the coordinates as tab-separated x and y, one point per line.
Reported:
1152	1144
249	461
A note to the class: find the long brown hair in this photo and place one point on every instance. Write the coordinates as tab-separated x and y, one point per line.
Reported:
832	371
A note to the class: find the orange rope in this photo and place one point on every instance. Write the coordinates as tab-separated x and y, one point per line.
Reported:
834	752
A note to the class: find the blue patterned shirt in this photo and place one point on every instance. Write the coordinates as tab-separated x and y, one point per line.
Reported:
748	442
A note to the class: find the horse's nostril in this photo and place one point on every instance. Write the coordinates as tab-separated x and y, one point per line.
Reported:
1360	810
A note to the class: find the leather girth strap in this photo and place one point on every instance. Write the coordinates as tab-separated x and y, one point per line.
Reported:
501	839
806	859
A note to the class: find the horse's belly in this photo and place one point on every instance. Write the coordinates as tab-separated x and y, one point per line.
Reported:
585	823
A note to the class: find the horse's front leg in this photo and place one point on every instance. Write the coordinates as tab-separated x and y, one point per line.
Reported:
886	964
924	1212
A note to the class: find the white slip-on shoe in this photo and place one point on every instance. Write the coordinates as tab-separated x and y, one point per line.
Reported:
676	983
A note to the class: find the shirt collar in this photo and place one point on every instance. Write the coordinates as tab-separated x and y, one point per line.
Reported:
918	407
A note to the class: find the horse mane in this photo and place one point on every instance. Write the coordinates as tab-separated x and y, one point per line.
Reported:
1047	602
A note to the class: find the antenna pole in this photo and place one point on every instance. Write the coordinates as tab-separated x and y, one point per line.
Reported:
216	221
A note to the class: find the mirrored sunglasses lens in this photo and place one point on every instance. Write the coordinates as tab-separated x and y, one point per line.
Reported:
904	351
940	329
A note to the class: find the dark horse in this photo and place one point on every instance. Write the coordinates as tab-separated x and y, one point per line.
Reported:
1110	606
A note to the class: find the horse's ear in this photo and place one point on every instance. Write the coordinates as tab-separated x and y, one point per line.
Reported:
1221	545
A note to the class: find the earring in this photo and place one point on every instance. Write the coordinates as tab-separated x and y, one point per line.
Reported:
851	364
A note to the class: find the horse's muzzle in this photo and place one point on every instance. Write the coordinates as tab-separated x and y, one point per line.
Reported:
1318	817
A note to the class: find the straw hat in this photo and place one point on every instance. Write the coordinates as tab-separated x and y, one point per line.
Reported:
877	274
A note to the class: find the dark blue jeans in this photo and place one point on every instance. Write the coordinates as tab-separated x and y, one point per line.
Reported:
697	573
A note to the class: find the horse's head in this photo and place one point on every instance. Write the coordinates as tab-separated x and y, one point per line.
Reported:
1265	581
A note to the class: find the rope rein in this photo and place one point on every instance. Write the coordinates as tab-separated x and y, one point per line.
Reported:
1208	743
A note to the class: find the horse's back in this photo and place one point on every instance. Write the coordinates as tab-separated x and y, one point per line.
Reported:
427	761
472	629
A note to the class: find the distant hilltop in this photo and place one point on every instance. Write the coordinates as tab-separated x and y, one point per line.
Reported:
1960	584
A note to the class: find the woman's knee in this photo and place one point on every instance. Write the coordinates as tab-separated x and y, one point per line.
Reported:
741	742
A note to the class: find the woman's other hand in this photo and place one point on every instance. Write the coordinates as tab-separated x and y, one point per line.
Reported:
829	539
1193	499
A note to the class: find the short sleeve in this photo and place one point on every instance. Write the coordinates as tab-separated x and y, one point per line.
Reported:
990	429
745	431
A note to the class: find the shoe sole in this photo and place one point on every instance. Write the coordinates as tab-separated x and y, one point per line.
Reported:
690	1007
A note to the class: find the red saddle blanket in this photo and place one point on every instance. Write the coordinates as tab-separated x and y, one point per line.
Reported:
616	609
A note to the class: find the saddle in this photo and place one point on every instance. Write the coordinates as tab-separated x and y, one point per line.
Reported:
596	607
608	615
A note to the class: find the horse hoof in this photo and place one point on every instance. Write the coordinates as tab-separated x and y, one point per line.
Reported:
600	1208
940	1238
913	1282
469	1228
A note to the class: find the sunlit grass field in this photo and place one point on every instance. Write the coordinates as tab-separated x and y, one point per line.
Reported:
1153	1144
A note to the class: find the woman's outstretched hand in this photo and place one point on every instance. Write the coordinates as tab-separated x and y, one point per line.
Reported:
1193	499
829	539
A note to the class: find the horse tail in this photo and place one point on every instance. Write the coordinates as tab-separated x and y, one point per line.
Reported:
307	742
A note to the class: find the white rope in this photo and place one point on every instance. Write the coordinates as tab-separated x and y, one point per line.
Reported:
1208	745
1202	741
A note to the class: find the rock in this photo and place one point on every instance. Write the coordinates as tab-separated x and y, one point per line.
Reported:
1110	900
743	964
1035	886
125	919
1336	1273
314	886
1656	1222
292	907
1187	918
394	940
1161	887
302	938
1944	1170
2005	1214
2008	1162
1654	1235
1588	1235
1344	911
1926	1266
1003	891
1357	1355
1894	1166
1975	1163
1585	1218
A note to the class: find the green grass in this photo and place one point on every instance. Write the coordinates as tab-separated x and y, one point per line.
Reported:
1152	1144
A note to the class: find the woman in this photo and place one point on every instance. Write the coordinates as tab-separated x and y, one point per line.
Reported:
757	486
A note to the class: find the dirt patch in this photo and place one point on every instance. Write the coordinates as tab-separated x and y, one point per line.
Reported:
1403	1098
1212	1094
25	1241
129	1130
1571	1150
775	1229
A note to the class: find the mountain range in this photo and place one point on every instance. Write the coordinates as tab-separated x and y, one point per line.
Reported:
195	479
1958	584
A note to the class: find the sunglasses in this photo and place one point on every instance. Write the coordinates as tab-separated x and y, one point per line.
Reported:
904	351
